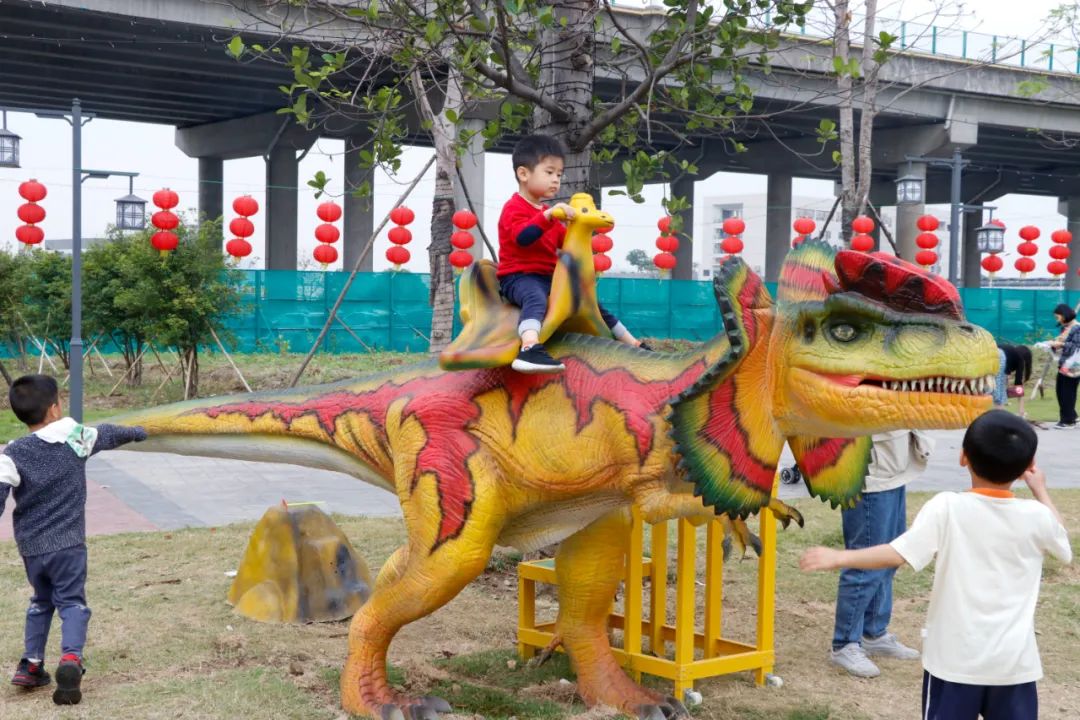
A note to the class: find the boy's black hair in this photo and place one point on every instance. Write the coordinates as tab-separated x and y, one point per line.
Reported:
1066	312
31	396
1000	446
531	149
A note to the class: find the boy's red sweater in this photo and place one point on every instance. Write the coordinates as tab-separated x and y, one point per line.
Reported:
527	240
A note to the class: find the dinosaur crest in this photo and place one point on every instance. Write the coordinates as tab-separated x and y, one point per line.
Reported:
803	275
895	283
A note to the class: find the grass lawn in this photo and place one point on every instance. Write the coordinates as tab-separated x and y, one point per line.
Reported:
163	643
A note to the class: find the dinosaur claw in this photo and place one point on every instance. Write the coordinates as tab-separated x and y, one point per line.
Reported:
650	712
436	703
389	711
678	709
546	653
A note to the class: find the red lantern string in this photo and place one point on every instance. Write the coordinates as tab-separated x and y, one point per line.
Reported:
400	235
327	233
245	206
805	227
462	239
861	241
31	213
165	240
1060	252
602	243
666	244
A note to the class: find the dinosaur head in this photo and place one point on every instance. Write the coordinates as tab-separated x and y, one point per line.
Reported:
588	215
871	344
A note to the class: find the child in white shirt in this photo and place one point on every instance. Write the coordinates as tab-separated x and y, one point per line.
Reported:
979	655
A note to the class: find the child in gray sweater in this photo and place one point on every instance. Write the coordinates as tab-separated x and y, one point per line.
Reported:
45	471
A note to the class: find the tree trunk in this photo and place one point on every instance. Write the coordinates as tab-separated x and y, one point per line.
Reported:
869	111
132	357
189	361
848	179
566	75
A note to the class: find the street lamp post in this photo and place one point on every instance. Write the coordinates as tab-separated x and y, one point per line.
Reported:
79	175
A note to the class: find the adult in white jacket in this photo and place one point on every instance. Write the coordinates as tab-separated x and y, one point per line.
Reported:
864	597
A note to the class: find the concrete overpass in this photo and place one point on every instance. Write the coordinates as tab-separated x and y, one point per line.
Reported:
164	61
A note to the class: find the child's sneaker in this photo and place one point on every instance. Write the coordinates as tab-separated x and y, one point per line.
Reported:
536	360
30	675
644	345
68	679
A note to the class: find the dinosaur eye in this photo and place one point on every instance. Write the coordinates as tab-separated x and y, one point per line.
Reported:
585	210
809	330
843	332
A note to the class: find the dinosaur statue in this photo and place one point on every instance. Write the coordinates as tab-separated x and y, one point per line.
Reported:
856	344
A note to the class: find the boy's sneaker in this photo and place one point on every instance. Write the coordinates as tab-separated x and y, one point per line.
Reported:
888	646
852	658
68	679
536	360
30	675
1065	426
646	346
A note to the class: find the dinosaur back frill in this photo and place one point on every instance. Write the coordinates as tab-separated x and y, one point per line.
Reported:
726	445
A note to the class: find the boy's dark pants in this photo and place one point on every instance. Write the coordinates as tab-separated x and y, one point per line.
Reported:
943	700
59	582
530	293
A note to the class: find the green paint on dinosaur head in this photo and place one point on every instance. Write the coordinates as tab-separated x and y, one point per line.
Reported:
873	344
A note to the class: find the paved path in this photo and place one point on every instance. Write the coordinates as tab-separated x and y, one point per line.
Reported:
129	491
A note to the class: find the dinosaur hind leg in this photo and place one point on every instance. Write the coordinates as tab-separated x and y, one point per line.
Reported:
589	566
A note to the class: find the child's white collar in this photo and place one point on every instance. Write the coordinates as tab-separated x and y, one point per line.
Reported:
80	438
57	432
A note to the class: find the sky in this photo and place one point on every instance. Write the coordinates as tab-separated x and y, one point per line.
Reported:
150	151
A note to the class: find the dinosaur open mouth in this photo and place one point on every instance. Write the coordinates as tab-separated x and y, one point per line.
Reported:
949	385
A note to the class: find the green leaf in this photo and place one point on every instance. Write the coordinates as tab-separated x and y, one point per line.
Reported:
236	46
837	157
512	6
616	45
839	64
451	115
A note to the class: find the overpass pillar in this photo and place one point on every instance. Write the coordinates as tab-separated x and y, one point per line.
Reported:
907	214
472	170
211	188
972	277
282	177
684	256
359	213
778	231
1072	280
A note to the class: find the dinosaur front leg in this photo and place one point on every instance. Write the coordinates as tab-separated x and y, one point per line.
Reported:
589	566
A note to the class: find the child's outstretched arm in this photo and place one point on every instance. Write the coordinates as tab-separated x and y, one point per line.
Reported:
113	436
1036	482
872	558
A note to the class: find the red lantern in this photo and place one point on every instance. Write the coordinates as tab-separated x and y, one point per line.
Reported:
862	225
166	199
667	243
1063	237
325	254
32	191
238	247
240	227
1025	265
327	233
402	215
997	222
164	241
927	241
804	226
399	236
463	219
732	245
1028	249
734	226
602	243
397	255
1029	233
1059	252
166	220
664	225
927	223
664	261
1058	268
463	240
329	212
926	258
459	258
601	263
992	264
246	206
29	234
31	213
862	243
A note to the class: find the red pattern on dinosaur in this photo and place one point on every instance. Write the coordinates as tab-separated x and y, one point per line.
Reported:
822	455
725	432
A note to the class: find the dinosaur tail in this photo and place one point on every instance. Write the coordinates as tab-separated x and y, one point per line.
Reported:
265	427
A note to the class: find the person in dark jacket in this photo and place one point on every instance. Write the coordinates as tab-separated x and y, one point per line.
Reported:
1068	342
45	471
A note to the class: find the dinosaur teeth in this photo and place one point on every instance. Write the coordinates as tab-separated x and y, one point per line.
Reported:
991	383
